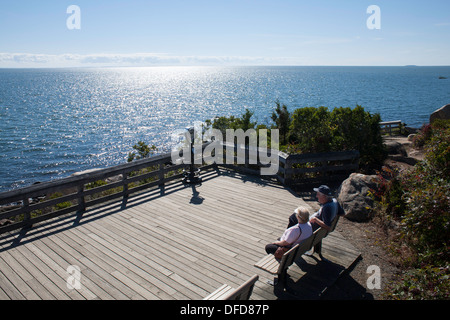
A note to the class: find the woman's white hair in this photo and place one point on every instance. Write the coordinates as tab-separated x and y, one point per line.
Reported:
302	214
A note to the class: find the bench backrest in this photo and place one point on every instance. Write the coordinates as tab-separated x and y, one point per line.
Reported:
244	291
288	259
305	245
334	223
319	234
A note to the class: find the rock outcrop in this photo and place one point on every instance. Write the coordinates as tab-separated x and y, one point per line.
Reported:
353	196
441	113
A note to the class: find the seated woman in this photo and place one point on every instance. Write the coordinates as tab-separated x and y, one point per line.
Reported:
294	234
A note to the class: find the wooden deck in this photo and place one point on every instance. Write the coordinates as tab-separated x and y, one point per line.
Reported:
182	244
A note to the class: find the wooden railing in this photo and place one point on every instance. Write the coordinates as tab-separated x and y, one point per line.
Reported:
390	127
319	167
301	168
39	202
47	200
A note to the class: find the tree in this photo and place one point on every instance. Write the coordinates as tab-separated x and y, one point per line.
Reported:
282	119
310	129
143	151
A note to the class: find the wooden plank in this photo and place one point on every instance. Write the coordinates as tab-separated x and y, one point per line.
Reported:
162	246
91	283
141	255
128	280
268	263
179	258
58	274
93	259
13	272
44	276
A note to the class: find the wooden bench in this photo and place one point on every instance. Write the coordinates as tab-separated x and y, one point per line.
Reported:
225	292
279	267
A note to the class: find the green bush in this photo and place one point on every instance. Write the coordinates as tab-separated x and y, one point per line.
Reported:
427	220
420	201
223	123
315	130
319	130
143	151
423	284
282	119
310	129
359	130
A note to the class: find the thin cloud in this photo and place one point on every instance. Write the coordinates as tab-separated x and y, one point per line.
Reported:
30	60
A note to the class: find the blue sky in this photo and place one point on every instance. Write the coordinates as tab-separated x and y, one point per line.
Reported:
225	32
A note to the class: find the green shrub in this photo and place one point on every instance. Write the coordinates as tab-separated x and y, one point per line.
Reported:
319	130
422	284
315	130
356	129
282	119
420	201
310	129
143	151
223	123
61	205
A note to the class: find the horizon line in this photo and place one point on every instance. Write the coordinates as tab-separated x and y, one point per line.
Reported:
217	65
16	60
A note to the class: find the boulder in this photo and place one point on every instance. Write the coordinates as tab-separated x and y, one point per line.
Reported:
395	148
353	196
441	113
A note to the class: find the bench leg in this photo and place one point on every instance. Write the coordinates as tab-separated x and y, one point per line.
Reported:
281	280
281	286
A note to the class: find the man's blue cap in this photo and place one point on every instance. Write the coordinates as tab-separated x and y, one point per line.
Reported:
324	190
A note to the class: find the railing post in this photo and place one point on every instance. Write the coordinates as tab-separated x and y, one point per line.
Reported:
27	213
125	187
161	176
81	202
287	171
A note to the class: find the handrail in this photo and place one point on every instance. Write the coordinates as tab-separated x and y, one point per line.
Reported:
76	193
387	126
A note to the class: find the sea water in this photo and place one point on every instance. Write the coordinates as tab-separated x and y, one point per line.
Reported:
54	122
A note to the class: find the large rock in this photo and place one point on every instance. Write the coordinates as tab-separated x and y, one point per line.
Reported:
441	113
395	148
353	196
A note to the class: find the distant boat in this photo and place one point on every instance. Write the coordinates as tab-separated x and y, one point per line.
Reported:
441	77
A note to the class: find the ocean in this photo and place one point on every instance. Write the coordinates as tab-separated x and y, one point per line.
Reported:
55	122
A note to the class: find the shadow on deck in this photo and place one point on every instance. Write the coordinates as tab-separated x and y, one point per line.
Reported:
180	242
